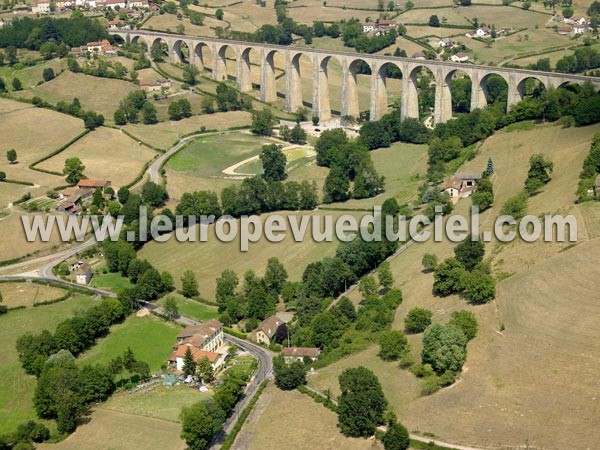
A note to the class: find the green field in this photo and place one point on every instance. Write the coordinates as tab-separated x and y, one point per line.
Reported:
191	308
113	281
16	394
150	339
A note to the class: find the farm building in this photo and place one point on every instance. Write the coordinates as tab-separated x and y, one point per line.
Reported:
291	354
272	329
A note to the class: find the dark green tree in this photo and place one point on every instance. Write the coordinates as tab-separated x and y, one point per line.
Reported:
392	345
417	320
466	321
273	161
470	252
74	170
189	285
200	423
189	365
444	348
262	122
275	275
396	437
288	376
361	403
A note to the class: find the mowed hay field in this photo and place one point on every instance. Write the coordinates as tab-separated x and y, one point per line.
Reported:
536	376
24	293
33	133
16	396
208	259
119	431
101	95
291	420
165	134
107	154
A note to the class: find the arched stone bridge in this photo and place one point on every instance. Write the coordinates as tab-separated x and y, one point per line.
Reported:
441	70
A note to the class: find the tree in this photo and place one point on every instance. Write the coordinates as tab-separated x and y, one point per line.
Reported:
444	348
2	176
207	105
205	371
449	277
262	122
539	173
275	275
226	285
219	14
470	253
119	116
368	288
288	376
149	114
154	194
466	321
480	287
273	161
74	170
393	345
336	185
200	423
434	21
189	365
396	437
189	74
429	262
489	170
48	74
189	285
170	308
384	273
483	197
417	320
11	155
361	403
347	308
3	86
16	84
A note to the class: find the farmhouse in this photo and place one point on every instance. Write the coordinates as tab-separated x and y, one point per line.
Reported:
383	26
291	354
272	329
89	183
112	4
42	7
564	30
460	57
73	197
446	43
155	86
461	185
203	340
577	20
483	32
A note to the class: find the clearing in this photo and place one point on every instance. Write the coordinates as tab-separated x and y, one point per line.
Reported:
24	293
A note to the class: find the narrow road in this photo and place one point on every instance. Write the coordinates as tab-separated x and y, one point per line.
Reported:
265	371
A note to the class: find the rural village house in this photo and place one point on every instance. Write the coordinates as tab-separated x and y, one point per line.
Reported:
461	185
75	196
383	26
203	340
83	274
460	57
272	329
156	86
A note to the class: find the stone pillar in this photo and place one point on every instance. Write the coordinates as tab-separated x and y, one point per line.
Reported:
410	94
191	54
442	111
378	92
171	50
243	73
220	63
268	91
478	88
349	90
514	95
199	57
321	106
293	83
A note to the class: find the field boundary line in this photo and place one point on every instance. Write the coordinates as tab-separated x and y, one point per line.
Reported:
56	152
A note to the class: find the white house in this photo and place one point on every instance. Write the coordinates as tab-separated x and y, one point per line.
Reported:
291	354
460	57
577	20
579	29
446	43
482	32
137	4
206	336
112	4
83	274
41	8
369	26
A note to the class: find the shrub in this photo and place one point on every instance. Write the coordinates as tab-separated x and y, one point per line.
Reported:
417	320
444	347
466	321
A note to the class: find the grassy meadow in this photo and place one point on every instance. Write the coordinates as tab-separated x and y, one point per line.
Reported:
16	397
150	339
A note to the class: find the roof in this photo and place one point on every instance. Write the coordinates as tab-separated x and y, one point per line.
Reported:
486	29
90	183
462	55
468	176
270	325
387	22
452	183
308	352
563	28
369	24
202	330
84	269
98	43
197	353
419	55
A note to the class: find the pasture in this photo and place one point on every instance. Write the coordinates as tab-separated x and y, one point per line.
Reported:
30	76
120	431
16	395
107	154
165	134
150	339
23	293
216	256
296	413
525	377
98	94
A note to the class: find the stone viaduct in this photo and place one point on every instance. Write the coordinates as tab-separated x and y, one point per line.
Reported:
442	72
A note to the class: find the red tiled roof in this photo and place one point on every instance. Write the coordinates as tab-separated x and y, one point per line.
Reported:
197	354
89	183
